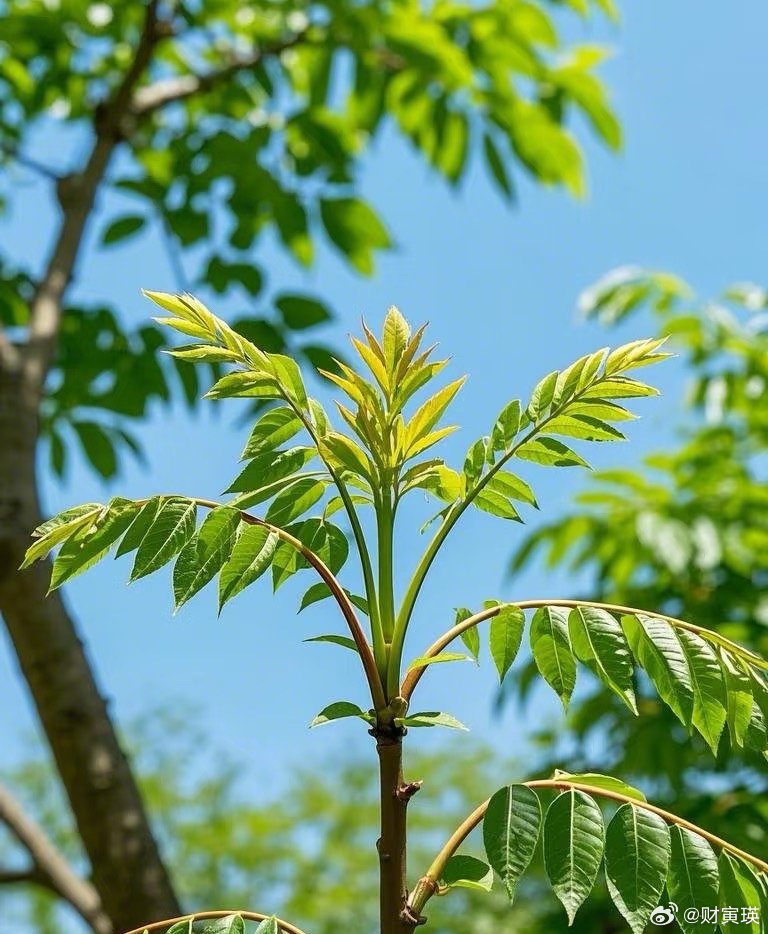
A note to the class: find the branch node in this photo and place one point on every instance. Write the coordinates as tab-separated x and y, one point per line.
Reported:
408	916
407	790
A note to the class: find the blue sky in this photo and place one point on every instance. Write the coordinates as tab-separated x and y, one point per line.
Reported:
499	287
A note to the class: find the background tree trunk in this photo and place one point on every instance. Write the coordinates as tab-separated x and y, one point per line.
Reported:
127	869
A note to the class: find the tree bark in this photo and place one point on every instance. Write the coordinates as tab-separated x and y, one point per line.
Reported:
126	866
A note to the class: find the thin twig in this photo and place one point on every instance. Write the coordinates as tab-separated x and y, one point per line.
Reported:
12	151
50	868
222	913
170	90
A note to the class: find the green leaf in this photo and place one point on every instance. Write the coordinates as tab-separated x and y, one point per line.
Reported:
693	879
251	556
92	541
541	397
181	927
495	164
423	660
551	648
637	851
506	426
98	447
510	832
470	637
268	926
269	467
598	780
504	636
709	697
395	335
496	504
550	453
300	312
739	889
574	838
59	528
271	430
140	525
511	486
655	645
598	641
340	710
205	553
231	924
247	384
738	692
343	641
295	500
171	528
122	228
430	718
355	229
467	872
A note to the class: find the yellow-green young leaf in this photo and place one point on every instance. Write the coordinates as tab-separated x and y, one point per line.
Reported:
738	692
268	926
190	328
584	427
618	387
504	637
248	384
474	461
598	780
574	839
179	305
338	711
496	504
251	555
511	486
551	648
374	363
93	540
542	395
426	441
418	375
598	641
346	454
430	718
230	924
294	501
181	927
424	660
289	377
205	553
510	832
709	697
466	872
739	889
203	353
693	879
655	645
550	453
404	366
601	408
634	354
58	528
506	426
273	428
172	527
470	637
446	484
270	467
428	413
637	851
395	336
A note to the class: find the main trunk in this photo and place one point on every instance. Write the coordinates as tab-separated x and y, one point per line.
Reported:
392	842
126	867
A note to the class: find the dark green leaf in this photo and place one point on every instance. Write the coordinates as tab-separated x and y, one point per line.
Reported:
740	890
693	879
637	851
551	648
504	636
122	228
269	467
467	872
172	527
574	838
598	641
510	832
343	641
300	312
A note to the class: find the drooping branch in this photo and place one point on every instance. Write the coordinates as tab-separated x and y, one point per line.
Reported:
49	866
219	913
337	591
413	677
427	885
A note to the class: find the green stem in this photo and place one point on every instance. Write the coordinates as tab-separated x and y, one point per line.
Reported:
428	884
